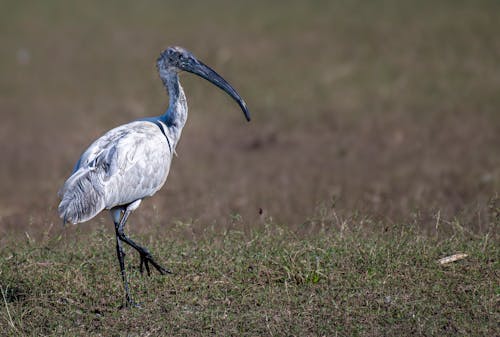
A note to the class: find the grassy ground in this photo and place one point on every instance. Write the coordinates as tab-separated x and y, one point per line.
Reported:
341	281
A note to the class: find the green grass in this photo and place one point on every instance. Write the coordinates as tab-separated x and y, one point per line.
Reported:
266	282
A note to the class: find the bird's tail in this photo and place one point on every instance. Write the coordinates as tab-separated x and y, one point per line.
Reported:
82	196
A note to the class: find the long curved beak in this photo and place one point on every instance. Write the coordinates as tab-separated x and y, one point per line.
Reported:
199	68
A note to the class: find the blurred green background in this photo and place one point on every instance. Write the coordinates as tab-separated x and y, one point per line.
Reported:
388	109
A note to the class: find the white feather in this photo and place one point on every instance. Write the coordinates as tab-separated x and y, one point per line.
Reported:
127	163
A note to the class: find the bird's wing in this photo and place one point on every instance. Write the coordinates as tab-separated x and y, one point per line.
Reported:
101	151
127	163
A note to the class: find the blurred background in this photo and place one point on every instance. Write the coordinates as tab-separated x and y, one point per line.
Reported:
380	109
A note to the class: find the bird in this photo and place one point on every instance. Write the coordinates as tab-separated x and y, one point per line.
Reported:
132	161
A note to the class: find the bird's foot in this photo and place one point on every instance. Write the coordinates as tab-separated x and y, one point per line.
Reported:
129	303
146	258
144	263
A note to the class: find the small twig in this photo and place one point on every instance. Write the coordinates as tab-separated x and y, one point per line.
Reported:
11	323
486	241
438	219
452	258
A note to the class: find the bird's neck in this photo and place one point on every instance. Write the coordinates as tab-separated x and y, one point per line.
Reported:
176	115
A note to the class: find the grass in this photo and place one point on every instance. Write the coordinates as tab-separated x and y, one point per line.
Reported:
267	282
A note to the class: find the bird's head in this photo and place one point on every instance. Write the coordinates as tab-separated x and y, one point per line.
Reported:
177	59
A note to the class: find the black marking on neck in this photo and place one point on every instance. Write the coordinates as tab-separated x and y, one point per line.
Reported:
158	123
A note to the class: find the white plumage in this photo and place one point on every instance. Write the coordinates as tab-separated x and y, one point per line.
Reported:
128	163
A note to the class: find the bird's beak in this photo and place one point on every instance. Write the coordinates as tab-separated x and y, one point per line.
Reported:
204	71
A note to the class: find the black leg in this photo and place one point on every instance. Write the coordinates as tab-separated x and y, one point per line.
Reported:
144	253
121	260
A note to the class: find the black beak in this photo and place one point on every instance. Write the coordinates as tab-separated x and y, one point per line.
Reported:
196	67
